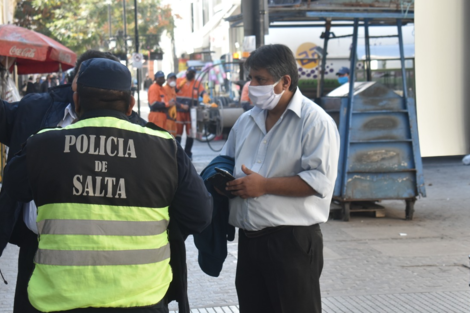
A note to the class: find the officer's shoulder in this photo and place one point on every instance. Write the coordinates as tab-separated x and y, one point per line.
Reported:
155	127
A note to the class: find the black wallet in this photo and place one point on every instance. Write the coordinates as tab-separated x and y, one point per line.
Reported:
220	181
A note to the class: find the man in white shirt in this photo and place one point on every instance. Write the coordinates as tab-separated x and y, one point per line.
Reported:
286	153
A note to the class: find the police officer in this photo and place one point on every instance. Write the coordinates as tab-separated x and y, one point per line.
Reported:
17	220
103	201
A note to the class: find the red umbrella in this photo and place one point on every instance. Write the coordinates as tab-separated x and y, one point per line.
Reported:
34	52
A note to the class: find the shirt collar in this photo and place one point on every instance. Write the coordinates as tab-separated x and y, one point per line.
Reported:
104	113
69	110
295	105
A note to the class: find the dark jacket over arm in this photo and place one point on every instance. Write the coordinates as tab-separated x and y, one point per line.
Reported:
16	180
18	121
212	242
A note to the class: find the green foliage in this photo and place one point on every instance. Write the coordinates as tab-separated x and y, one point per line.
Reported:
311	84
84	24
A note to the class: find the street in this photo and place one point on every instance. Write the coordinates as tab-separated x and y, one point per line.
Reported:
372	264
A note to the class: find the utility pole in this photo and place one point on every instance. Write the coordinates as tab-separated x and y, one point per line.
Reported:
137	51
109	19
125	30
256	19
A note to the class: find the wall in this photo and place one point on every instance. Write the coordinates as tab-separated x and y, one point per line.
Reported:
7	8
442	76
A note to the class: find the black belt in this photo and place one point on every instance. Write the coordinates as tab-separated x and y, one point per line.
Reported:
269	230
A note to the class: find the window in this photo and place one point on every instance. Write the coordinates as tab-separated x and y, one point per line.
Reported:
205	12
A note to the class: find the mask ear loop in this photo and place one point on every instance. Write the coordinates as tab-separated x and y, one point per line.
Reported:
275	86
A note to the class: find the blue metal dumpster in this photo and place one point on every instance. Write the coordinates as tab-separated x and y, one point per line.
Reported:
380	157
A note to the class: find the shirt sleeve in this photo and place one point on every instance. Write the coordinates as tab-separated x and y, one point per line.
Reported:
153	94
229	147
16	179
192	204
7	120
164	97
320	153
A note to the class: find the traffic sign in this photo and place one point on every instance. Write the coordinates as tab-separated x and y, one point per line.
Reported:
137	59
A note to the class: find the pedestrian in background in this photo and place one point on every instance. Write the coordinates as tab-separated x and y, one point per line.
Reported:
158	101
147	82
37	84
17	219
48	83
245	97
30	87
188	91
343	75
286	153
102	223
170	92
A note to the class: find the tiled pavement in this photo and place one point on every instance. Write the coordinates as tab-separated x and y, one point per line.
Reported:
429	302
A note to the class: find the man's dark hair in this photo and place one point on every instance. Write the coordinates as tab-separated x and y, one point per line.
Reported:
92	54
278	60
98	99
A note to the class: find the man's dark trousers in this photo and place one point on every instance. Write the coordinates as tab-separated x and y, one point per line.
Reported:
279	271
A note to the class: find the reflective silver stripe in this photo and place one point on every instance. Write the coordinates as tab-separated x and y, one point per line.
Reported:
105	228
97	258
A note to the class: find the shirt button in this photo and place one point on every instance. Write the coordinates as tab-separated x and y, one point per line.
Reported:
258	161
264	142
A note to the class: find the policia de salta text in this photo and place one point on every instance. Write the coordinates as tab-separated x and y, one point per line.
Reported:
104	188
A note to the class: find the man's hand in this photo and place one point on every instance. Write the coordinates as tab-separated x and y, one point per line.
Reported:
250	186
172	102
185	107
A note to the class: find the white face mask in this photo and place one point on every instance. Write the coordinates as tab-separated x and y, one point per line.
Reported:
264	97
172	83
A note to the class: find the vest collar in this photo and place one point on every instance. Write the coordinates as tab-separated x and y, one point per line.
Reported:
104	113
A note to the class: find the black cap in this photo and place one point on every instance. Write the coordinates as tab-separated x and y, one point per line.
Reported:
104	74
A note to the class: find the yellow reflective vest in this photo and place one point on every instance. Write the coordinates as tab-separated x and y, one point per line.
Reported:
102	187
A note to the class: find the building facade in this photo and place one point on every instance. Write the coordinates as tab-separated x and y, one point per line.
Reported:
7	11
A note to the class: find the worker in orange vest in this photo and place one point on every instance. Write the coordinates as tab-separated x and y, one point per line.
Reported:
245	97
188	92
170	91
158	101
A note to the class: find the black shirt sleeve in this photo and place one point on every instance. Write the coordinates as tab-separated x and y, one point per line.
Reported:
15	178
7	120
192	204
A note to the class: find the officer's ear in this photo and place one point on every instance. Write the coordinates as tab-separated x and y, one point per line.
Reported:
76	100
131	106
